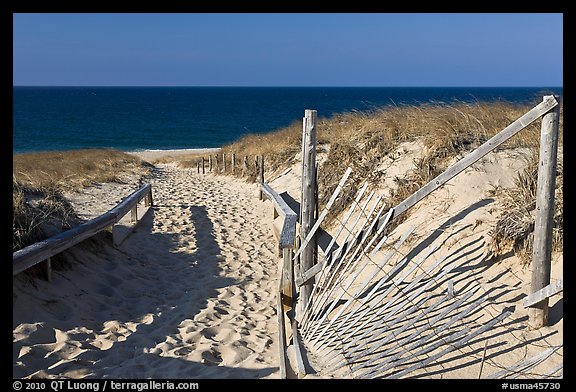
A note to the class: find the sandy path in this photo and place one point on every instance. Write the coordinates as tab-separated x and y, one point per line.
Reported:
189	295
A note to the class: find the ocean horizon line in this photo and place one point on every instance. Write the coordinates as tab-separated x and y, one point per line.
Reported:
51	118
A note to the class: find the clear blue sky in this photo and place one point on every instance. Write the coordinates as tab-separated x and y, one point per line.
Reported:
288	49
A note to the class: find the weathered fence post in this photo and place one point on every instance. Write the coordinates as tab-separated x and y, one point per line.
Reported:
245	167
233	163
296	267
261	175
210	163
316	208
216	163
47	266
134	213
287	279
308	208
198	167
542	248
148	199
224	162
203	169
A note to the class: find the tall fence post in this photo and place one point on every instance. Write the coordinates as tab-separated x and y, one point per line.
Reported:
542	248
134	213
210	163
308	207
203	168
261	175
233	161
224	162
47	266
316	208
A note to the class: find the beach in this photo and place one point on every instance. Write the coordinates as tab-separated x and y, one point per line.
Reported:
220	196
191	292
152	155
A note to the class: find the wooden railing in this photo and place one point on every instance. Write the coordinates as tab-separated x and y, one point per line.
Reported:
288	232
44	250
286	242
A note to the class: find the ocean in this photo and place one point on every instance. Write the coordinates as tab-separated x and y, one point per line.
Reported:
149	118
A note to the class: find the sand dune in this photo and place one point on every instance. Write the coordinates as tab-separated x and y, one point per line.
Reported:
456	219
190	294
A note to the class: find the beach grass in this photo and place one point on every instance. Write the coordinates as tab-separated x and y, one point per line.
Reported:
40	179
444	128
361	140
358	139
515	227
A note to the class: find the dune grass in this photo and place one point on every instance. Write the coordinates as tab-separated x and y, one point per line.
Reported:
514	230
40	179
361	140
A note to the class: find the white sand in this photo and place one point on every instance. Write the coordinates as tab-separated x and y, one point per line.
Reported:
151	155
191	294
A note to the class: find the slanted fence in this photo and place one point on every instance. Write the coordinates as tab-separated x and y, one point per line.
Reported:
385	309
525	366
42	251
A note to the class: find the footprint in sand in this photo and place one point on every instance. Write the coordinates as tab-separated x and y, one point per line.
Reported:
213	325
235	353
102	343
211	357
209	333
147	319
221	311
183	351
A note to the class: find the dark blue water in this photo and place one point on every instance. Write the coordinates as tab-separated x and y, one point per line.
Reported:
139	118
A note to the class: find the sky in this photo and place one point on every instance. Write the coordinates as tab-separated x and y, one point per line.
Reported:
283	49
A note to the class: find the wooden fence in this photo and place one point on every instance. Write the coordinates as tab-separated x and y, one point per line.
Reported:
44	250
549	110
232	164
286	240
360	309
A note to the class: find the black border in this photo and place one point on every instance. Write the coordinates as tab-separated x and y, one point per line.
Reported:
298	6
39	6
